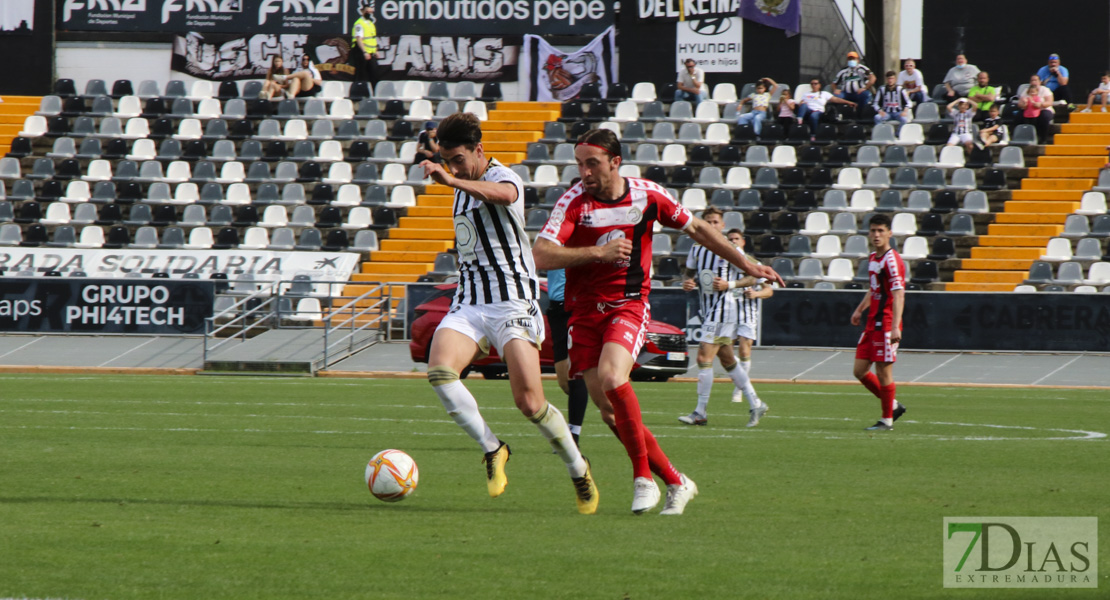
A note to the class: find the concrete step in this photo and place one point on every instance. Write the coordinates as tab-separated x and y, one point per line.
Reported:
404	233
385	256
1009	253
541	116
1030	183
1024	230
996	264
1047	172
495	147
1086	149
399	268
528	106
536	126
978	287
525	137
1047	206
1011	277
427	223
1096	116
1072	195
1082	139
1091	162
429	211
1013	241
396	245
1015	218
389	277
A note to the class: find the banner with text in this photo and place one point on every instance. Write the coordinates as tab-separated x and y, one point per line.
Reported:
555	76
717	45
323	17
319	266
221	57
79	305
681	10
507	17
448	58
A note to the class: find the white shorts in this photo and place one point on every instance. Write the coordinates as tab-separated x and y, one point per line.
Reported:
745	330
960	138
496	324
721	334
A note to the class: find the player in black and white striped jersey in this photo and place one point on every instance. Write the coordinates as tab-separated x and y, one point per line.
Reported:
496	304
749	293
715	279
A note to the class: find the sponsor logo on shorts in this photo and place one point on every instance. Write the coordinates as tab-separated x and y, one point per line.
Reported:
628	336
523	323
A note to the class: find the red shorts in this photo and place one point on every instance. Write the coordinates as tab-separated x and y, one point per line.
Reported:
875	346
591	328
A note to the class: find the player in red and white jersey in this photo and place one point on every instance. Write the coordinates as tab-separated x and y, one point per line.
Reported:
883	303
600	232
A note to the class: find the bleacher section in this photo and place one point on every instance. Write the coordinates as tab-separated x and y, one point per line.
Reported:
204	168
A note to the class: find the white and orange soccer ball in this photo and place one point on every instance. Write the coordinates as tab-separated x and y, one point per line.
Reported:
391	475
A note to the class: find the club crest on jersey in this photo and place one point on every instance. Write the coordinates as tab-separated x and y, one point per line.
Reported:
556	217
634	215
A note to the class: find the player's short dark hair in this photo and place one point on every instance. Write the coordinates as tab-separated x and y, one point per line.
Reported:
879	219
460	129
602	138
712	210
891	74
734	230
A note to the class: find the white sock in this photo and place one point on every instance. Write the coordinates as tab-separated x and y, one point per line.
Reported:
746	364
462	407
553	426
705	385
575	429
886	421
743	383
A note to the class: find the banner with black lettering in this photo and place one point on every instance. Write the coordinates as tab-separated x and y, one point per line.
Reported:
72	305
448	58
505	17
662	11
321	17
222	57
258	264
556	76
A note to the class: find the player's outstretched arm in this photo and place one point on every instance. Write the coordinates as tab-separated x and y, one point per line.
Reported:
709	237
549	255
494	192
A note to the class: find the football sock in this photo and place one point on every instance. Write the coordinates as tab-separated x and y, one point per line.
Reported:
705	385
659	463
871	382
461	406
743	383
626	411
887	400
554	427
746	364
577	402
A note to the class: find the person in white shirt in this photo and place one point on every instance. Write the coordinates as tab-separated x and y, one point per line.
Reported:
913	81
306	81
1102	90
691	84
812	105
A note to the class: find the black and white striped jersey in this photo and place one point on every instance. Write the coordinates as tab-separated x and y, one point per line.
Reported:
495	256
748	308
715	307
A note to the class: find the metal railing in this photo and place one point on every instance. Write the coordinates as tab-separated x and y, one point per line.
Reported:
242	315
381	302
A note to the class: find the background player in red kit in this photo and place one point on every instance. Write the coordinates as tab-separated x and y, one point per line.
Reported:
600	231
883	304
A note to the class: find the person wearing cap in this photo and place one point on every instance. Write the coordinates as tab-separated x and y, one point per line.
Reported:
958	80
364	43
691	84
1054	76
854	82
427	144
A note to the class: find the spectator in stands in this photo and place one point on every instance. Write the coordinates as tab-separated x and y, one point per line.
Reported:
1103	90
982	95
364	44
812	105
1036	107
962	113
892	103
958	80
913	81
276	80
691	84
761	105
427	144
992	132
854	82
786	110
1054	76
306	81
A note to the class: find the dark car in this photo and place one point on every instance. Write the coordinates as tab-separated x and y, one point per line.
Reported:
663	356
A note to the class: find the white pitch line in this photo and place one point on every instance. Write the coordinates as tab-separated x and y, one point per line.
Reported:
831	356
930	371
1057	370
105	363
20	348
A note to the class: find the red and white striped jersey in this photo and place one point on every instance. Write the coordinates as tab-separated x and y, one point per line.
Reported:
580	220
887	274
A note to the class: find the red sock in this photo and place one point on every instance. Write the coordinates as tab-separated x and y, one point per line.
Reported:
871	382
660	464
626	410
887	401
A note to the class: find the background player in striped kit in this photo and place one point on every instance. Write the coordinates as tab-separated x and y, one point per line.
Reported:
600	231
495	304
883	304
715	279
749	293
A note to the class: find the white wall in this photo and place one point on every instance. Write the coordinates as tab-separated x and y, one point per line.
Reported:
82	61
912	12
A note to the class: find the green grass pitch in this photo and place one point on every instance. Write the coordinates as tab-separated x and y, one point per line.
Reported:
239	487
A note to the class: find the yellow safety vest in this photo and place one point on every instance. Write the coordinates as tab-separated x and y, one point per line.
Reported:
369	35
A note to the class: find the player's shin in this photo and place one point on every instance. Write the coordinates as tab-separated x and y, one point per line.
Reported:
629	424
743	383
705	386
461	406
554	428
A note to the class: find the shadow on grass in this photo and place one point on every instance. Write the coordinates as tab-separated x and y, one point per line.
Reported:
321	506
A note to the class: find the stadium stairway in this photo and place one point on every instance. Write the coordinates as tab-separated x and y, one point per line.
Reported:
14	110
1036	212
409	250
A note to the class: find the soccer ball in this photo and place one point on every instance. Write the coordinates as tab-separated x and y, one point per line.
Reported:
391	475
